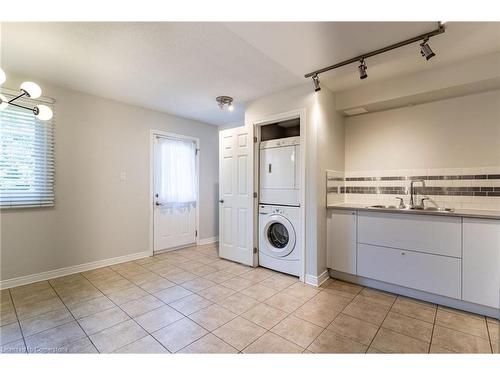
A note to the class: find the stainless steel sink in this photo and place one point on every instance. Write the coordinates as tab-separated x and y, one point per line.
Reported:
440	209
417	208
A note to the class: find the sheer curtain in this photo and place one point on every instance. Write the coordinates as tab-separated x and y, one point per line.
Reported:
177	172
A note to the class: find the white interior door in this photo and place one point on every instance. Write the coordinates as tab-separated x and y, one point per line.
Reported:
236	195
175	192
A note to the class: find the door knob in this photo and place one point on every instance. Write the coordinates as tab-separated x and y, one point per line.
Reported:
159	204
221	200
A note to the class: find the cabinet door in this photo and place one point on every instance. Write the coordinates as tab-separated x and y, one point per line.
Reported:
481	261
341	241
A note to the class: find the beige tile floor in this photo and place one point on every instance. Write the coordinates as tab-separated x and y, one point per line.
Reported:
191	301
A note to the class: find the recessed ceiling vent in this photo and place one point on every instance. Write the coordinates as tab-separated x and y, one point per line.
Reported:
355	111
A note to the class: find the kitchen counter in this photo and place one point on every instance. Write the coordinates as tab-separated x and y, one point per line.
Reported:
481	214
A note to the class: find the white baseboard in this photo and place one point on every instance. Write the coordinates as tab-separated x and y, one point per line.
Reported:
23	280
206	241
317	280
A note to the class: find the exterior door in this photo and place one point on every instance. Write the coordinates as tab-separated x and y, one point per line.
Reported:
236	202
174	212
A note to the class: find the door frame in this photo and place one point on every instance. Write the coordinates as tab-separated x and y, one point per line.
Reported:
266	120
162	133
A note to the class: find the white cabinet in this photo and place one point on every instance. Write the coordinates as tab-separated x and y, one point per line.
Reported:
425	233
341	241
430	273
481	261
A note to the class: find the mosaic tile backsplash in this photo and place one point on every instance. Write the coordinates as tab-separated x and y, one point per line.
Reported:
466	188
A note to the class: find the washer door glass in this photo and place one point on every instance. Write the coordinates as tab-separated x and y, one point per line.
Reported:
277	235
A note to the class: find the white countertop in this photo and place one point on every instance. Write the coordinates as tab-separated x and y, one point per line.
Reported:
482	214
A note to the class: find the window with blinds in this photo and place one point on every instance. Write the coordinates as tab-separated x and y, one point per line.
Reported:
26	156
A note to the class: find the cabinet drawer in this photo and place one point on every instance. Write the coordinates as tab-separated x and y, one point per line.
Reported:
425	233
430	273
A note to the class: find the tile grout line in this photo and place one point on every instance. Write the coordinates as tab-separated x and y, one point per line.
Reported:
240	315
433	327
482	317
213	303
323	328
18	321
489	335
125	314
166	304
340	312
289	314
380	326
77	322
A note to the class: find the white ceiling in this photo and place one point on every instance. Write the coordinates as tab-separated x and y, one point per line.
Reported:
180	68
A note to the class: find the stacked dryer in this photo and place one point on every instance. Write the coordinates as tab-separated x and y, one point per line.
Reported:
279	211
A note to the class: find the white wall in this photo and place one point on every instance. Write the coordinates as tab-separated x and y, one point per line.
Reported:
323	128
331	152
97	216
454	133
452	78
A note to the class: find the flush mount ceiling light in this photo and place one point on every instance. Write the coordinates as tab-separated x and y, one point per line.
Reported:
425	50
30	90
225	100
362	69
315	79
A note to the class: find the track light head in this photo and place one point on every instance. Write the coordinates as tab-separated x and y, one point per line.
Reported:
315	79
362	69
426	51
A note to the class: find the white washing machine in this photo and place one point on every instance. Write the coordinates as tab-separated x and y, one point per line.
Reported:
279	238
280	171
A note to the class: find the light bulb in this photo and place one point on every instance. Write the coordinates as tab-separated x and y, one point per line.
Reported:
3	102
31	89
230	107
3	77
42	112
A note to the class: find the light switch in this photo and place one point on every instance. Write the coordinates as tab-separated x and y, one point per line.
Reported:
123	176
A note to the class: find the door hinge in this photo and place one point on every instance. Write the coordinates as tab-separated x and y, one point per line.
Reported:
255	195
254	139
197	151
255	250
196	233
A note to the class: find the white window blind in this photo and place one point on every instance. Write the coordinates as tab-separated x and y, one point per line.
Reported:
26	156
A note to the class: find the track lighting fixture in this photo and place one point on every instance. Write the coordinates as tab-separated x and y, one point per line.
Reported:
362	69
425	50
315	79
30	90
225	100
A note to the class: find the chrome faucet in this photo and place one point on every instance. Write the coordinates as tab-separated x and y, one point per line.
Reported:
412	191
